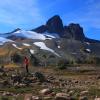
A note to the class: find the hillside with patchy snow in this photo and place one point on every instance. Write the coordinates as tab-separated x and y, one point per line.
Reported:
55	41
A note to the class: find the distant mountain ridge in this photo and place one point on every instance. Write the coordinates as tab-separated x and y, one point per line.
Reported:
55	25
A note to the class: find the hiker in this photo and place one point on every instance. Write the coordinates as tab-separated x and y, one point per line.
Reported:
26	62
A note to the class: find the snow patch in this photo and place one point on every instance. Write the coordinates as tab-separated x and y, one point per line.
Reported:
4	40
16	46
32	51
54	35
87	43
35	35
59	47
88	50
44	47
25	44
29	34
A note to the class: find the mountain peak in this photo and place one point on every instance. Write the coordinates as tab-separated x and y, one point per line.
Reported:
17	29
56	17
55	25
75	31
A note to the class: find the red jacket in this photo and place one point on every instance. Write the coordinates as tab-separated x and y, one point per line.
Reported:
26	61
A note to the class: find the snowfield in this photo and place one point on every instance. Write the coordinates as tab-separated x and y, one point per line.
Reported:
4	40
88	50
29	34
44	47
54	35
25	44
16	46
58	47
87	43
32	35
32	51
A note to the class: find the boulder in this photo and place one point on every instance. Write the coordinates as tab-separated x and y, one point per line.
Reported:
71	92
7	94
84	93
47	98
62	96
83	98
35	98
28	97
97	98
46	91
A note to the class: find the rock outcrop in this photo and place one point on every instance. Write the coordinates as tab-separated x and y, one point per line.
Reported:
55	25
40	29
74	31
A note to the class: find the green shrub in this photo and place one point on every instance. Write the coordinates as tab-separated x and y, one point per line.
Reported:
93	60
34	60
62	64
16	58
40	76
4	98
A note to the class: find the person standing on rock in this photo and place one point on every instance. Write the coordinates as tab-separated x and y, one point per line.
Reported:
26	62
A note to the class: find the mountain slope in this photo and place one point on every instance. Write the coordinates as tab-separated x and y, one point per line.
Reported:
54	40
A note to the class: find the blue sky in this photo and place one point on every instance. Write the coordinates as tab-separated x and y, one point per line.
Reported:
28	14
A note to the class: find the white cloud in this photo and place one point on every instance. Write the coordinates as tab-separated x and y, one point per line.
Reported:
17	12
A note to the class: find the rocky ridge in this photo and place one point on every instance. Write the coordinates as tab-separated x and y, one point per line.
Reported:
55	25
